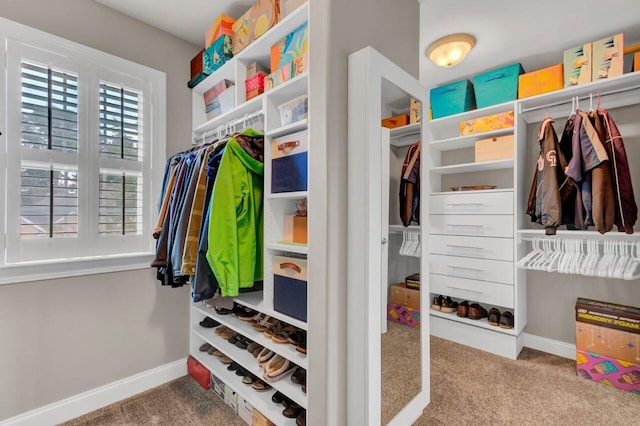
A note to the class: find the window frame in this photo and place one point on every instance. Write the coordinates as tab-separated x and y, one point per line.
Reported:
94	253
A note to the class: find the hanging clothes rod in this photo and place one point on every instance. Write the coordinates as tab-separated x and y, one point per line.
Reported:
585	97
230	127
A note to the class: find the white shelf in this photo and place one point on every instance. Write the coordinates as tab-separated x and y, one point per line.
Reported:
482	323
254	300
613	234
400	228
467	141
290	89
479	191
246	360
290	247
402	136
473	167
288	129
225	72
289	195
244	327
260	49
454	120
252	106
261	401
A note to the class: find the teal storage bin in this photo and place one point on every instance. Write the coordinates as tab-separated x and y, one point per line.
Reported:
497	86
452	98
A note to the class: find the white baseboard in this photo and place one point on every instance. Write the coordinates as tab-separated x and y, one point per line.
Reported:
85	402
555	347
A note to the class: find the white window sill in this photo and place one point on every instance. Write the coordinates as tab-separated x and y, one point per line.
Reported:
32	271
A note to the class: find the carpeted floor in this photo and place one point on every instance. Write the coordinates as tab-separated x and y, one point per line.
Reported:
468	387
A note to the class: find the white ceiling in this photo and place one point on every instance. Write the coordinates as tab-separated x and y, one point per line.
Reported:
530	31
185	19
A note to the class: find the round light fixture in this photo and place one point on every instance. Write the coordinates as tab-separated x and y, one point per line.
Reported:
450	50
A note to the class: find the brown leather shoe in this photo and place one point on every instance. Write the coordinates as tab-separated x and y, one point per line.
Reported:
449	305
463	309
494	316
477	312
506	320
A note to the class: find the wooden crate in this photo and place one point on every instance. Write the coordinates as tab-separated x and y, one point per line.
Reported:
498	148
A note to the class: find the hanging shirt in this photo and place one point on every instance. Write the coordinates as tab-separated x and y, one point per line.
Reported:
410	186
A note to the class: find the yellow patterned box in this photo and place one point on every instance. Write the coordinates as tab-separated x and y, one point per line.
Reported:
488	123
255	22
608	371
608	57
287	72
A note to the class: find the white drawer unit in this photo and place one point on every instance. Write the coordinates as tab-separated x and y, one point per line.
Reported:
475	269
472	203
472	225
483	292
478	247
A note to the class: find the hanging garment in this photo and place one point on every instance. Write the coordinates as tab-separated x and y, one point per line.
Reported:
410	186
551	189
626	210
236	219
589	169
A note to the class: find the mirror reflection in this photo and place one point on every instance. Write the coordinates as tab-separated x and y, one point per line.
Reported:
400	266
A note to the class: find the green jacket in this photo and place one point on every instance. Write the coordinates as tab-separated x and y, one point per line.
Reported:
236	219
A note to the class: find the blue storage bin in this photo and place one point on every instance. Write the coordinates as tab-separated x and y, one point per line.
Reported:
290	286
452	98
289	163
497	86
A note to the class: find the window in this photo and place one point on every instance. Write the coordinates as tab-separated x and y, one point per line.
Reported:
83	154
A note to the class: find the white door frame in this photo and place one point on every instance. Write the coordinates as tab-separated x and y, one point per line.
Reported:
367	70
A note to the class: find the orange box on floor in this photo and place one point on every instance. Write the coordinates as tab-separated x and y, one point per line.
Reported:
399	294
540	81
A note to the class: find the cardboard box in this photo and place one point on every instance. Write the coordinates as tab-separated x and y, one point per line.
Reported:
288	6
636	61
497	86
254	86
487	123
286	73
403	315
609	342
397	121
295	229
496	148
256	21
609	315
415	111
452	98
255	68
399	294
217	386
217	54
608	371
231	398
260	420
290	286
245	410
540	81
413	281
289	163
608	57
577	65
223	25
289	48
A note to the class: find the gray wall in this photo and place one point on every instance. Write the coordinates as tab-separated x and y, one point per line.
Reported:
339	29
62	337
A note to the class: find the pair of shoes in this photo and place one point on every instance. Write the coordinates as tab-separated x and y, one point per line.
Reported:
225	360
298	338
506	320
264	356
277	368
222	311
249	379
477	312
225	332
209	322
244	313
463	309
448	305
205	347
299	376
215	352
301	420
255	349
291	410
240	341
437	303
260	386
264	323
494	317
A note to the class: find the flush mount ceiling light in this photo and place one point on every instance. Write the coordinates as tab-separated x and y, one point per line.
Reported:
450	50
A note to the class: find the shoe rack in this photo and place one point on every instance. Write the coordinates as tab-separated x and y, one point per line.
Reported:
275	207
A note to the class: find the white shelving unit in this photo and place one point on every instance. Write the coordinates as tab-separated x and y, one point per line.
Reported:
275	206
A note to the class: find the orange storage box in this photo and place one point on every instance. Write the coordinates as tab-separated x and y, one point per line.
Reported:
397	121
222	26
540	81
636	61
399	294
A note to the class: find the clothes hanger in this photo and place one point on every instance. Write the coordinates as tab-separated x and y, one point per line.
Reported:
573	107
590	102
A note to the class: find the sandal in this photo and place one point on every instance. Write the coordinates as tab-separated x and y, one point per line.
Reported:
264	356
297	337
205	347
260	386
273	328
282	334
299	376
264	323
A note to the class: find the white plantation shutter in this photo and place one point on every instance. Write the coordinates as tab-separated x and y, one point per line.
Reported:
121	211
120	123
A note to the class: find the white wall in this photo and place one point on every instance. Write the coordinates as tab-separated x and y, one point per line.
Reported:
535	33
61	337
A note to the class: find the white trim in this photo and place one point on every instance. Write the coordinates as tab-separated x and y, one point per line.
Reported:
94	399
554	347
62	269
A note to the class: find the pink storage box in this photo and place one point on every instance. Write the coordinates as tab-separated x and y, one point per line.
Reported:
608	371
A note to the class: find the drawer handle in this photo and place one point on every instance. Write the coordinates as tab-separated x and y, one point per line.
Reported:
453	225
292	266
464	289
285	146
466	269
465	247
465	204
